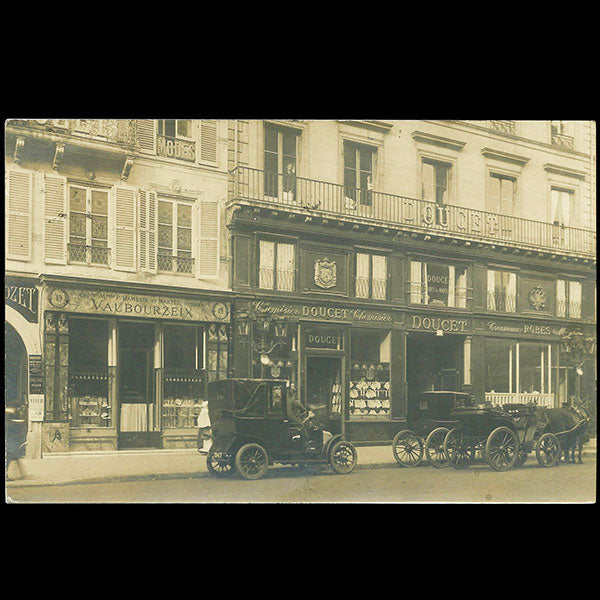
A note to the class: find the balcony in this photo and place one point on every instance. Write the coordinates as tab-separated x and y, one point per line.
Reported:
564	142
175	264
507	127
256	188
501	302
88	255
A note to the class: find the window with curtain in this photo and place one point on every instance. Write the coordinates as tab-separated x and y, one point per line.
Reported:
358	172
568	299
502	193
88	225
436	181
280	162
277	267
501	290
438	284
371	276
175	236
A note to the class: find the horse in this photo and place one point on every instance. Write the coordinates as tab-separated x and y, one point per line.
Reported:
569	424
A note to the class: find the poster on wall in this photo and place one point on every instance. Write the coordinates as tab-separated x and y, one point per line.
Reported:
437	284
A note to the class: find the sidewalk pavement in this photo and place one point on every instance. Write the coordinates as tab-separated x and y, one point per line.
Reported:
133	465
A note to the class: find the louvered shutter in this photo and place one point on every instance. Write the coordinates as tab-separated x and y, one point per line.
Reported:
208	142
124	226
146	135
18	214
208	240
55	219
147	230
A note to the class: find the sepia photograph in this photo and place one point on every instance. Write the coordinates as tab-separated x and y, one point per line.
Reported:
300	311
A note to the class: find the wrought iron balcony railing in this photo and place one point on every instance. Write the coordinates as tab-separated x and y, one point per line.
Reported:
118	131
564	142
309	196
88	255
501	302
175	264
571	310
503	126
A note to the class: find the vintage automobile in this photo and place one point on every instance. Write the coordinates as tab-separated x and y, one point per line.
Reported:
428	421
252	429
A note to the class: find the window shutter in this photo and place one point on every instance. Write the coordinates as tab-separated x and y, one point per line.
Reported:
18	214
208	240
146	135
124	225
428	182
208	142
55	219
494	195
147	230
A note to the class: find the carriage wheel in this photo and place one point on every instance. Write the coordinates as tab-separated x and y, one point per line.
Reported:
434	448
220	467
502	449
252	461
407	448
459	451
548	450
343	457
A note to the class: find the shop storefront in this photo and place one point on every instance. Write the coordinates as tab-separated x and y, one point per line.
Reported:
128	369
525	361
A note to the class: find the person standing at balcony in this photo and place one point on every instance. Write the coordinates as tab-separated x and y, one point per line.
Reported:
289	183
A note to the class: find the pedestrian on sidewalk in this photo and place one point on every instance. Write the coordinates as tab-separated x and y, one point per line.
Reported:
16	434
204	430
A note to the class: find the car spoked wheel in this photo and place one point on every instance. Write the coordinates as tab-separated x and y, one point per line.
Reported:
502	449
343	457
459	450
251	461
548	450
434	448
407	448
220	467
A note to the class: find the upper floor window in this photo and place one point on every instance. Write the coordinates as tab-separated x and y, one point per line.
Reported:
501	290
561	212
502	194
568	299
358	173
438	284
175	236
176	139
88	225
280	162
371	276
277	266
436	181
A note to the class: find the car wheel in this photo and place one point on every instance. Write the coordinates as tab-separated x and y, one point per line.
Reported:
220	467
343	457
252	461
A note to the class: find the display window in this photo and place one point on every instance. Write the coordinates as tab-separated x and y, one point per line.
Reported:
89	402
369	389
183	375
438	284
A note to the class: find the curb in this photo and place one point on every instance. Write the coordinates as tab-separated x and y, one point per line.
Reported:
166	476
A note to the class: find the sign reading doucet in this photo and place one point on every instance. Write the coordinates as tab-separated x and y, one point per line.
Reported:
437	323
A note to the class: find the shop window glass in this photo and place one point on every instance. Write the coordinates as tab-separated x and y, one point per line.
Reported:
500	371
89	402
438	284
501	291
183	375
369	389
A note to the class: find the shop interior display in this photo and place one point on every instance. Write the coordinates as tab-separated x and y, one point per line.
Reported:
88	394
370	390
183	394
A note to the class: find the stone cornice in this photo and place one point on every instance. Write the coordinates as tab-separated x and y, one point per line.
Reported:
382	126
505	156
567	171
437	140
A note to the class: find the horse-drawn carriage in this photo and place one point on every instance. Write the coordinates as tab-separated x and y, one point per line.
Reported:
252	429
505	436
428	420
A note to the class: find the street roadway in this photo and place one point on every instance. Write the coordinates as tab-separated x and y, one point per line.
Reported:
480	483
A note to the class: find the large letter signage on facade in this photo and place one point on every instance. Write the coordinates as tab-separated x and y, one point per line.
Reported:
22	295
118	304
439	323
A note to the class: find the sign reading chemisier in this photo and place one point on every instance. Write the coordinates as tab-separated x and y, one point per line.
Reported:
118	304
320	312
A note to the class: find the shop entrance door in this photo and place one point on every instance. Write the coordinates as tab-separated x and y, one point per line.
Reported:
325	389
137	415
